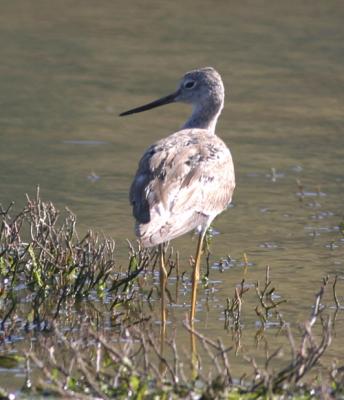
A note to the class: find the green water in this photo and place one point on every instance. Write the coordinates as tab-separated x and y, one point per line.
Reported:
68	68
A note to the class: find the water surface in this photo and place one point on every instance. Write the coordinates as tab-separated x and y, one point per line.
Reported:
69	68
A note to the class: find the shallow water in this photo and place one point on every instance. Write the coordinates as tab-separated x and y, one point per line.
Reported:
69	68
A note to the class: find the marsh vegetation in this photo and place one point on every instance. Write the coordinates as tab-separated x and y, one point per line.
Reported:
82	326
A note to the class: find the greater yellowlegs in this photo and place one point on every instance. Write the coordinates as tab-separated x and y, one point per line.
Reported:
186	179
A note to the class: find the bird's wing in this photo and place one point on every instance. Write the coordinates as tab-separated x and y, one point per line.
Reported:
208	185
190	170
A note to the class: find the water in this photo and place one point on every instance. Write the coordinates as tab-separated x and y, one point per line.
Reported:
69	68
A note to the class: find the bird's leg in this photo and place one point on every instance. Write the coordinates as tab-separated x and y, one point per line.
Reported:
195	275
195	279
163	279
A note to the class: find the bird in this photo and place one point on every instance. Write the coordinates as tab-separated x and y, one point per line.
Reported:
186	179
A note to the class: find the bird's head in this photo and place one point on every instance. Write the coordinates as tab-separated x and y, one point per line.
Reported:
197	87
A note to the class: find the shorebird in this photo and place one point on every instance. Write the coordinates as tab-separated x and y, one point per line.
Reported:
186	179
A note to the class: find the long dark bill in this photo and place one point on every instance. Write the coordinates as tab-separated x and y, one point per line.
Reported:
157	103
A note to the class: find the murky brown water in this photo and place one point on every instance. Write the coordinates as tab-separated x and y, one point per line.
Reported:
69	67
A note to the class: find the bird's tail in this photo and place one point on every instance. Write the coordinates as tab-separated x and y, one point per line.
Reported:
160	231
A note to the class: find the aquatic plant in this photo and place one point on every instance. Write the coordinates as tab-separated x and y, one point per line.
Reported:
94	332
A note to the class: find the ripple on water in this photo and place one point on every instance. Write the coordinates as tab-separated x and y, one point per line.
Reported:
310	194
314	204
318	230
93	177
332	246
322	215
296	168
228	263
274	175
270	245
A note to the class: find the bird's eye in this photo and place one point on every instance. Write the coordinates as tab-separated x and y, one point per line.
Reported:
189	84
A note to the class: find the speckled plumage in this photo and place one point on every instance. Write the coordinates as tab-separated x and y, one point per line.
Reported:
178	187
186	179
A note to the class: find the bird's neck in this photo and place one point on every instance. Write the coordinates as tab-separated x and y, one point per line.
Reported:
204	116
